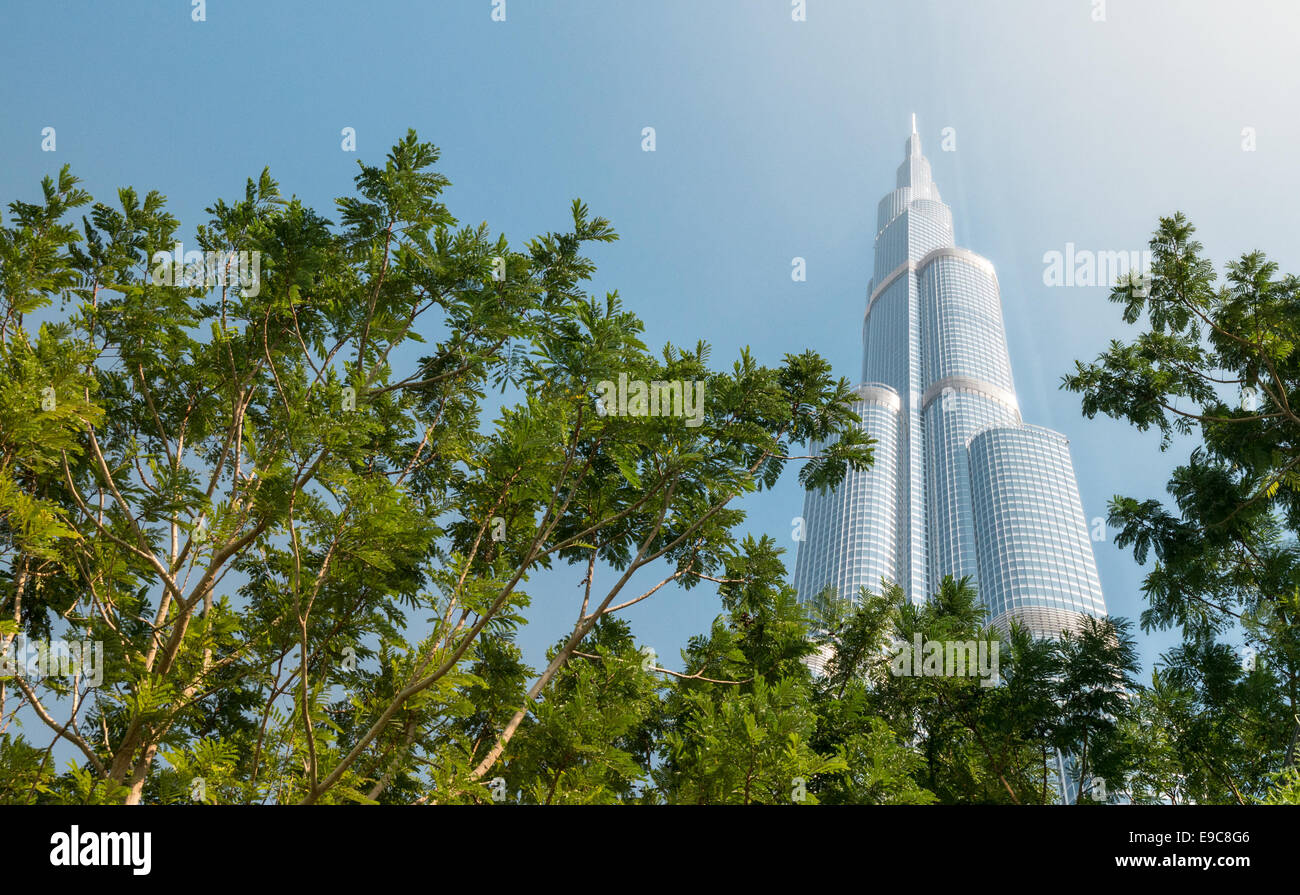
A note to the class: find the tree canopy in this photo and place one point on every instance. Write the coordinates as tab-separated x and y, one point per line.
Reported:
1218	365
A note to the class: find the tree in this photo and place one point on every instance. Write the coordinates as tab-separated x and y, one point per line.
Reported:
881	764
1220	365
738	724
265	481
957	736
587	739
1093	689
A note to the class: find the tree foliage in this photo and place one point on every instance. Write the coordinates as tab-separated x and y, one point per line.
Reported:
283	507
1219	366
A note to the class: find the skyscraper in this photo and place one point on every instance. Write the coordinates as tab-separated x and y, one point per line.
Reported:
960	485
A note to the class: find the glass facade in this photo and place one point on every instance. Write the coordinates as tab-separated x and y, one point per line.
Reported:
851	533
960	486
1034	552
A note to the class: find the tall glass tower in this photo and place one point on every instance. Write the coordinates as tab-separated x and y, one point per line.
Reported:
960	485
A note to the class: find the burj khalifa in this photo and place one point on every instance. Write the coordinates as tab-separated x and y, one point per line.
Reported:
960	485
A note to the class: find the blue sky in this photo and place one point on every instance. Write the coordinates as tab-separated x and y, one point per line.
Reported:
775	139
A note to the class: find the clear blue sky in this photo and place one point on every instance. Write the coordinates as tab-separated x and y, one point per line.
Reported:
775	140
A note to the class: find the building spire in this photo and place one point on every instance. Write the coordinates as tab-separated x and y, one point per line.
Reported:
913	148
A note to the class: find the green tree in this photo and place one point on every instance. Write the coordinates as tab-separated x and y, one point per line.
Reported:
1098	662
738	724
587	739
1217	365
881	767
950	735
279	504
